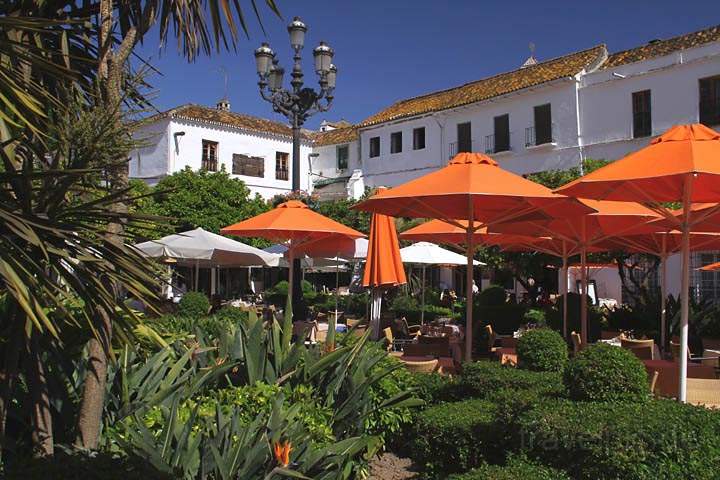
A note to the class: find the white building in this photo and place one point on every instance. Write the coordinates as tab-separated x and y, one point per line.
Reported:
252	149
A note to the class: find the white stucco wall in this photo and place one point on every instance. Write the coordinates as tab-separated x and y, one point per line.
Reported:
150	162
174	152
606	99
325	164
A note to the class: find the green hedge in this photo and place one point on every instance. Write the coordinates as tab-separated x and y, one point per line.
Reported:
505	319
454	437
193	304
516	468
542	350
624	440
603	372
434	388
480	379
492	296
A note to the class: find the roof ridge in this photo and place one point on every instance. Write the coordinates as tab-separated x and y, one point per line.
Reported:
229	112
670	39
528	68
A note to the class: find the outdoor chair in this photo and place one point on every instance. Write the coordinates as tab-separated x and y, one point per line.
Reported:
639	344
704	391
711	361
508	342
609	334
644	352
577	342
491	339
425	366
427	349
653	381
392	343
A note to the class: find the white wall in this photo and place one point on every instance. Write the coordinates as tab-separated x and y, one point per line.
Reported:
441	131
606	99
325	164
150	162
173	153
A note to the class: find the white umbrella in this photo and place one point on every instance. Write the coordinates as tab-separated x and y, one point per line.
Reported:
426	253
202	248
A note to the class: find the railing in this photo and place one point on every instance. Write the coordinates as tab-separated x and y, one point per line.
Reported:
496	146
281	174
457	147
531	138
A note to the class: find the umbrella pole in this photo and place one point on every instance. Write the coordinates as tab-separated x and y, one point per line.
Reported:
663	294
197	274
422	296
564	286
468	286
685	292
291	271
583	288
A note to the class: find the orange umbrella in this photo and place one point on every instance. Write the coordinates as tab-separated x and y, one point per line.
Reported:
471	187
662	244
683	164
713	267
291	221
609	218
383	266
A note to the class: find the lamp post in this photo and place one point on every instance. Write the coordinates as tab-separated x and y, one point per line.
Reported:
296	103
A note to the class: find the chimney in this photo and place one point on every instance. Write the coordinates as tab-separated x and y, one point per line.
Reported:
531	59
223	105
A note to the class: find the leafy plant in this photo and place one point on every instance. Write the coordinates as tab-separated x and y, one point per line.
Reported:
542	350
603	372
515	468
480	379
194	305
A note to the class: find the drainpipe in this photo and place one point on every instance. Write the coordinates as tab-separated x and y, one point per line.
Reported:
442	138
579	126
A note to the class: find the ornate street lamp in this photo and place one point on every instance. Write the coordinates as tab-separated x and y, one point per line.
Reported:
296	103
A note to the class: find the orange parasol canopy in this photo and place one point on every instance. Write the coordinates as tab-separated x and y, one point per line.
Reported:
713	267
293	221
443	232
683	164
383	267
471	186
657	172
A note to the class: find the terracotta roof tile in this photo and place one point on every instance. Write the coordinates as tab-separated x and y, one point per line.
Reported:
494	86
336	136
230	119
659	48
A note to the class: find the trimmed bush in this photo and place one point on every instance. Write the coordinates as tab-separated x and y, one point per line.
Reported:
232	315
535	316
454	437
492	296
516	468
542	350
434	388
193	304
624	440
481	379
606	373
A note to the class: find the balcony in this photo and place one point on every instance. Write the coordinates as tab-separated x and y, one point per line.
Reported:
493	146
459	147
535	138
281	174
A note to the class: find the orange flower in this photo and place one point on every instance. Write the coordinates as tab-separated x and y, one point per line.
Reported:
282	452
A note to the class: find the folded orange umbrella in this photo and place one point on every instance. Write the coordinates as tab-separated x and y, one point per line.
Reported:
713	267
681	165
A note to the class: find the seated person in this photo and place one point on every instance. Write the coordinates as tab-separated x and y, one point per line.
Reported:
400	329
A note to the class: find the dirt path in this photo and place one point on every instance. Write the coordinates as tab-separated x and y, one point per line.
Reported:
389	466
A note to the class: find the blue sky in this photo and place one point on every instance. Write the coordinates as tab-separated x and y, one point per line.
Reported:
389	50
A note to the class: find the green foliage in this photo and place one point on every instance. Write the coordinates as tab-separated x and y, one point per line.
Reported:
233	315
434	388
602	372
515	468
339	210
535	316
542	350
210	200
505	319
409	307
72	464
193	305
479	379
454	437
628	440
594	316
557	178
492	296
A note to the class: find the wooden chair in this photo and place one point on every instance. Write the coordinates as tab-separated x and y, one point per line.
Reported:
392	343
413	330
491	339
633	344
577	342
508	342
644	352
609	334
653	381
704	391
712	361
427	350
426	366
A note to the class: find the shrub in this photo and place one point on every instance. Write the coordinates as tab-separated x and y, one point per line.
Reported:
535	316
193	304
606	373
516	468
480	379
492	296
232	315
454	437
657	439
71	464
213	326
595	318
505	319
542	350
434	388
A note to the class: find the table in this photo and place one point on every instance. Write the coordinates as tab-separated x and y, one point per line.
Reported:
615	342
668	380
